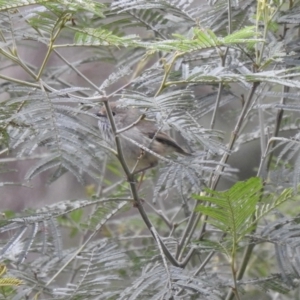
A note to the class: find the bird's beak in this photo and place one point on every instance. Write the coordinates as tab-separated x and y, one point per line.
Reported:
98	114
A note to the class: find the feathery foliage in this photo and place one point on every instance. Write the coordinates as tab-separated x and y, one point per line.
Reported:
221	78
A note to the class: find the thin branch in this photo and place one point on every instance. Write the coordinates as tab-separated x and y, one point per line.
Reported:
148	25
187	230
4	151
200	268
234	135
159	243
141	117
21	82
132	183
168	67
13	159
51	43
225	157
99	226
161	214
190	228
279	117
77	71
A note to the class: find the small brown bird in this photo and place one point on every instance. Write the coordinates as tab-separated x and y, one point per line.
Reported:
144	132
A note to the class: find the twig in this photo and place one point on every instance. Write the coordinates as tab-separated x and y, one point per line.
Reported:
131	180
13	159
50	46
159	241
225	157
131	125
161	214
21	82
168	68
186	232
80	248
234	135
76	70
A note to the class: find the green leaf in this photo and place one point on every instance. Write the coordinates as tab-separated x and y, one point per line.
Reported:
232	211
69	5
102	37
76	215
273	202
5	5
203	39
9	214
245	35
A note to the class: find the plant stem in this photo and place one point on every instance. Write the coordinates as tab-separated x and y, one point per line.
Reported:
50	46
132	184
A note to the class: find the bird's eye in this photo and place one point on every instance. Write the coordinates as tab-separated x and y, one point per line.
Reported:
113	113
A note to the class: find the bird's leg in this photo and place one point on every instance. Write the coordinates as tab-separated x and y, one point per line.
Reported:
141	180
143	170
140	171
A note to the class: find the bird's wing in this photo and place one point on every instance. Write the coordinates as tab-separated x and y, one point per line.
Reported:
150	129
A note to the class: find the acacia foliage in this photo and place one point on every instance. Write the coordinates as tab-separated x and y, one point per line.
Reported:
192	248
